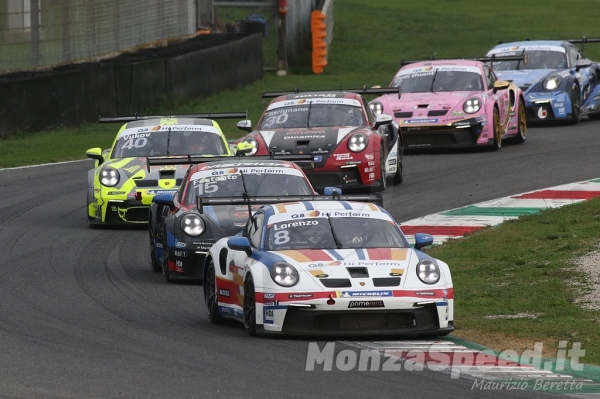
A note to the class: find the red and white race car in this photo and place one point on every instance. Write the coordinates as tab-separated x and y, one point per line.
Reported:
352	147
454	103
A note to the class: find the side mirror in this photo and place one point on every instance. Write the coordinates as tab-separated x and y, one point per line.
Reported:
95	153
199	205
332	191
399	92
583	63
245	125
423	240
243	148
500	85
164	199
240	244
382	119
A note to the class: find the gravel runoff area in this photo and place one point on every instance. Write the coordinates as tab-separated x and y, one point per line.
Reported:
590	265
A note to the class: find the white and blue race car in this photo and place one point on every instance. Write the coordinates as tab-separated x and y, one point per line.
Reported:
328	267
558	81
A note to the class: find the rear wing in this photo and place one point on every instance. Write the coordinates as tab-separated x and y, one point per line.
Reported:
371	198
303	161
209	115
363	91
489	59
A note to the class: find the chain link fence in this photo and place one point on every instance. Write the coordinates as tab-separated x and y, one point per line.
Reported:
43	33
37	34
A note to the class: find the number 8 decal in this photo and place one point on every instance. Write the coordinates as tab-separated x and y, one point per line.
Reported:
281	237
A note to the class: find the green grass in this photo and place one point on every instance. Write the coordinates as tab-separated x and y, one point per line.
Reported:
521	266
527	266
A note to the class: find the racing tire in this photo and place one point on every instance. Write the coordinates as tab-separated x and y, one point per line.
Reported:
521	125
249	307
497	144
383	178
210	295
156	266
399	175
575	104
164	261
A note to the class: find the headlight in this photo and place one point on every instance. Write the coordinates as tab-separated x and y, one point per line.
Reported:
472	105
254	145
109	177
358	142
284	274
428	271
552	82
376	107
192	225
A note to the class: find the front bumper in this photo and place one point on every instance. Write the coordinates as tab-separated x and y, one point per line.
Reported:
444	136
119	212
542	107
400	316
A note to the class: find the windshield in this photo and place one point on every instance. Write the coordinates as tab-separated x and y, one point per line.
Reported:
333	233
536	59
167	143
258	184
312	115
437	80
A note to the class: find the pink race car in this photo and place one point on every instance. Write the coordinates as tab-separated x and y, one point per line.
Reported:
454	103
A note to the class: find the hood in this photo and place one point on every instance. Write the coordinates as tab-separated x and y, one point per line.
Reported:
305	140
362	264
524	77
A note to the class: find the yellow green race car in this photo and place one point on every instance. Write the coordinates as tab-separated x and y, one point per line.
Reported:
122	183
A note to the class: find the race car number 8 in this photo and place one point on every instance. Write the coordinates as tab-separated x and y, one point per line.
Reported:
281	237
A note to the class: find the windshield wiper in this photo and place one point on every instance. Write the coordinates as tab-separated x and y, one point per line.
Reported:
433	80
335	238
246	197
168	141
308	118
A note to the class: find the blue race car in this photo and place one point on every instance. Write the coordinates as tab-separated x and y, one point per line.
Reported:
558	81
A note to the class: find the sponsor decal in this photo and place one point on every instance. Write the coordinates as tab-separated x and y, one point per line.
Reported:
282	226
304	136
180	254
269	296
424	120
366	304
425	293
369	169
272	303
559	104
392	162
156	192
542	114
269	314
298	296
224	292
310	214
180	244
370	157
320	151
282	152
343	156
318	158
116	192
457	113
352	294
353	162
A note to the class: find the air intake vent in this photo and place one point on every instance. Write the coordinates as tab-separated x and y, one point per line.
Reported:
437	112
386	281
302	143
167	174
403	114
336	282
358	272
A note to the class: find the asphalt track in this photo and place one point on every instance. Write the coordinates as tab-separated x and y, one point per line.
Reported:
84	316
